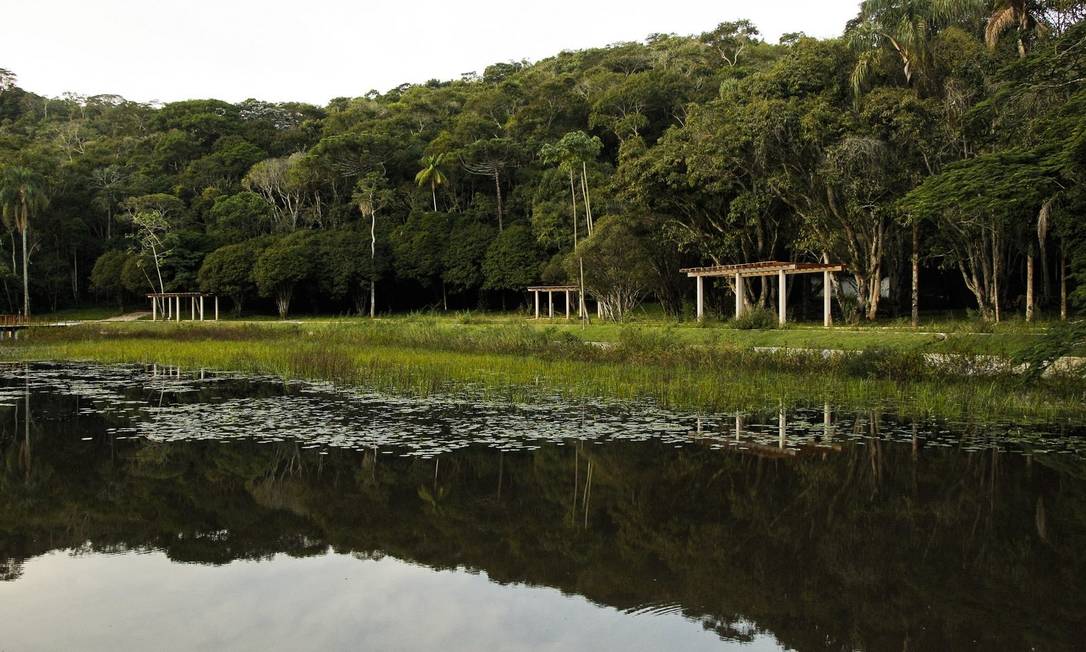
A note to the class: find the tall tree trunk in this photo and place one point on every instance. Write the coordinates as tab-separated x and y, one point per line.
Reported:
282	301
874	294
1063	283
916	276
7	294
373	263
498	188
1029	285
1046	285
587	200
581	302
573	196
14	260
995	276
26	272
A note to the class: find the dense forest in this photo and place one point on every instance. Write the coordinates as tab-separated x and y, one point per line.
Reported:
937	148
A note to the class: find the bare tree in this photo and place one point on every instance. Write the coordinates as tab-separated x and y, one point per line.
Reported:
277	181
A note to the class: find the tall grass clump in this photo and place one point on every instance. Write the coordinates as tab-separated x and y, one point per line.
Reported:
885	363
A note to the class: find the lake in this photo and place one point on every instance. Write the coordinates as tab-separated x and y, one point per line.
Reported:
168	509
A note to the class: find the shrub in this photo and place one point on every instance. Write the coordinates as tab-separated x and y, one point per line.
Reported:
755	318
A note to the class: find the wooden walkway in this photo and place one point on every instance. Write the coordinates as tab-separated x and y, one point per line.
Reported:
10	325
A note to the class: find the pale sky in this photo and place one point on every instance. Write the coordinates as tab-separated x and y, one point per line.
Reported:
314	50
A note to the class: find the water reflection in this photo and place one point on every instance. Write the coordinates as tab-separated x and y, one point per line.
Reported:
326	602
807	530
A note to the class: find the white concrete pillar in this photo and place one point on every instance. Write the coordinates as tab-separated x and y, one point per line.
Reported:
201	307
827	294
154	308
740	299
567	304
192	308
701	297
535	293
550	304
782	297
216	307
177	314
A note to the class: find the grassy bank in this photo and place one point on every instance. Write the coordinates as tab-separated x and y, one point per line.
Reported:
964	336
518	361
940	333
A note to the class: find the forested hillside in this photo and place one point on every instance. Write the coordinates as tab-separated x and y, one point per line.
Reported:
945	135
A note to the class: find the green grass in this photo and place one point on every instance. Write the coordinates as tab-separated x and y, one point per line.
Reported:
952	336
519	361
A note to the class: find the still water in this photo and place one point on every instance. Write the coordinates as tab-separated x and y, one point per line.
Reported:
152	508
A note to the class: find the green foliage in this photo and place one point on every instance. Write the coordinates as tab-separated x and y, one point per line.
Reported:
1004	185
463	258
420	245
239	217
617	269
134	276
281	267
229	271
106	276
1061	340
341	263
512	260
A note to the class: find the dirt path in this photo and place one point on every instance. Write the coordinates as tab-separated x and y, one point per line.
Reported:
132	316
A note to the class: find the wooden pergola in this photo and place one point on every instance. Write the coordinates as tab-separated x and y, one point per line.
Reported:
779	269
167	305
551	290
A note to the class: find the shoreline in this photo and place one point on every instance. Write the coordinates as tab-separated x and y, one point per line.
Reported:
516	362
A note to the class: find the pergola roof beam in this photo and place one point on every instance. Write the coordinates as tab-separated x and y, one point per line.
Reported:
769	268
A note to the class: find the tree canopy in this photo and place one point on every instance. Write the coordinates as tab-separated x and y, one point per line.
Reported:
948	131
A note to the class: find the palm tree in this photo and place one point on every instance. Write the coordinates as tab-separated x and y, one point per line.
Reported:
1024	16
431	174
22	193
907	27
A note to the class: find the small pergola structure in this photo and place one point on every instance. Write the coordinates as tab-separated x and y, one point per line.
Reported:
167	305
766	268
550	290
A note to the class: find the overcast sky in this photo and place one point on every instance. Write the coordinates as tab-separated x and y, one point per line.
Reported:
314	50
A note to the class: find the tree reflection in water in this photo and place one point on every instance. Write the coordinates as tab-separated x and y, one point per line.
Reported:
844	542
